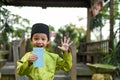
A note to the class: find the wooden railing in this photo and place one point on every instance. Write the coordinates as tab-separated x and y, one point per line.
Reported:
92	51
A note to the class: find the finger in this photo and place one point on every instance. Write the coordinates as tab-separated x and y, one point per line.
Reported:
70	43
60	47
65	39
61	41
68	40
35	56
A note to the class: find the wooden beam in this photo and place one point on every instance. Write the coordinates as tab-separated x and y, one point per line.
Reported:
52	3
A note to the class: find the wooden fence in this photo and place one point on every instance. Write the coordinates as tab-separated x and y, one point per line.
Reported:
90	52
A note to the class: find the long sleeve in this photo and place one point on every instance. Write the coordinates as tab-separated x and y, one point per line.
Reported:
23	66
64	63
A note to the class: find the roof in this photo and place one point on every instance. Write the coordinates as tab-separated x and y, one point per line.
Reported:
49	3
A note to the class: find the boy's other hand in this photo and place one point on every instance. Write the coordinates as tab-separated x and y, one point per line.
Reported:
65	44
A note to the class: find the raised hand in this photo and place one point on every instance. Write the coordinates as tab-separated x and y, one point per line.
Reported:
65	44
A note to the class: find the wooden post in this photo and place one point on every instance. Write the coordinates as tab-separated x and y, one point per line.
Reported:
88	25
21	45
15	57
111	35
73	72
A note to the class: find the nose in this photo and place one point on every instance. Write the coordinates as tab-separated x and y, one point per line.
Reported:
39	41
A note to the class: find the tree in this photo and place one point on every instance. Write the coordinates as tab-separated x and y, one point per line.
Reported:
11	25
113	8
76	34
110	13
97	23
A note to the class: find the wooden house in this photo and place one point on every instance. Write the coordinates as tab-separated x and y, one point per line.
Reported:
78	70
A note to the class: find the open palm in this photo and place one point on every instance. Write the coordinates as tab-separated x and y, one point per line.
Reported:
65	44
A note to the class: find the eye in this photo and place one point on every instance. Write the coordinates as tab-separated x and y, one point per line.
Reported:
36	38
43	39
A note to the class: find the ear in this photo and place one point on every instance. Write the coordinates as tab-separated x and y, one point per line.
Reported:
49	42
31	40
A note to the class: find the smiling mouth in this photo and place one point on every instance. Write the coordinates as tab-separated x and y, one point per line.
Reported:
39	46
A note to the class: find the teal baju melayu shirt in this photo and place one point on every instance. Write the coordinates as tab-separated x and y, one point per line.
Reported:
52	63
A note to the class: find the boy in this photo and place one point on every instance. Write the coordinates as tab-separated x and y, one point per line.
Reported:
52	62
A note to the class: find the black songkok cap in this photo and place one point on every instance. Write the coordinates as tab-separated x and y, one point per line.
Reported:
40	28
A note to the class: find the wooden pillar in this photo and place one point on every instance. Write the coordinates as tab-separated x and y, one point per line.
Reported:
15	57
111	37
0	76
73	72
22	45
88	25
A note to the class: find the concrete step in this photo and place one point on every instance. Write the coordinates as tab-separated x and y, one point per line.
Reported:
62	75
83	70
8	69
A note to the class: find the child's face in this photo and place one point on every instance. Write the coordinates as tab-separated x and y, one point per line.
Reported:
39	40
